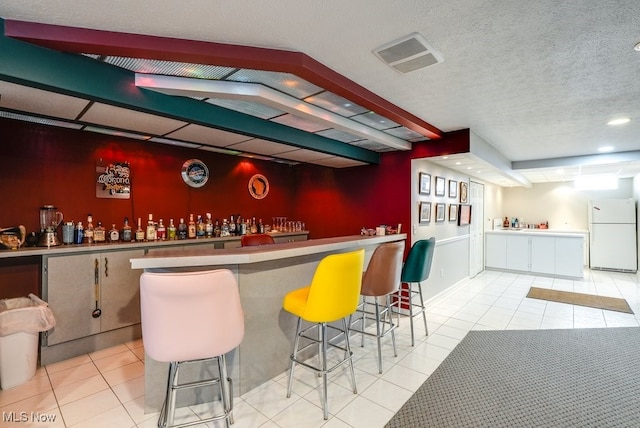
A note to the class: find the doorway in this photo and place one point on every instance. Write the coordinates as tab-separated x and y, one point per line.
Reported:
476	229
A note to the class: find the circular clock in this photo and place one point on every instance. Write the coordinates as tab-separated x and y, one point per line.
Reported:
195	173
258	186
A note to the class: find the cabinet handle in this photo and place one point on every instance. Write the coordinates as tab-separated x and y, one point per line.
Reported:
106	266
96	272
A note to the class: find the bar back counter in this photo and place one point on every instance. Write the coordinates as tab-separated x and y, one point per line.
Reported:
264	274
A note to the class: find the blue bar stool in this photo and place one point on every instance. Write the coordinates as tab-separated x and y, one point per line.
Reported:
415	270
333	295
189	317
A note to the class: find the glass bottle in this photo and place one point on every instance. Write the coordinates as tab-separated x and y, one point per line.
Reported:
225	228
191	233
200	227
99	234
208	226
161	233
216	229
182	229
151	229
254	226
243	227
232	226
172	232
125	233
139	232
260	226
88	231
78	233
114	234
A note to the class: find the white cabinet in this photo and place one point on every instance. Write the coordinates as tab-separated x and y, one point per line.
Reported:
547	254
518	252
495	251
543	254
77	284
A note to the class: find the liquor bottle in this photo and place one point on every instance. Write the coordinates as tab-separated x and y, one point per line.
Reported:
161	233
260	226
200	227
225	228
208	226
192	228
139	232
172	232
88	231
182	229
78	233
114	234
254	226
216	229
232	227
243	227
99	234
151	229
125	233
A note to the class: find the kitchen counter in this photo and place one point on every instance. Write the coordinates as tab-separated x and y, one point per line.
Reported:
265	274
542	232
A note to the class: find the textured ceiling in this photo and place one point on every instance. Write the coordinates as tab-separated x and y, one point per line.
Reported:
536	80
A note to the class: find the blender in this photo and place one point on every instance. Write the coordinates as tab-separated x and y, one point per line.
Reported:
50	219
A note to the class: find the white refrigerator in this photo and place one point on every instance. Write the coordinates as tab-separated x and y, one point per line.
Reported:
612	235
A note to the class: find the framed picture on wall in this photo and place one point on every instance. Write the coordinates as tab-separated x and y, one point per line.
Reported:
453	189
440	212
464	192
453	212
464	215
424	215
440	186
424	183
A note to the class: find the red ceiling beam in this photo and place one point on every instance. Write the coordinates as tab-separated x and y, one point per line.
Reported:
82	40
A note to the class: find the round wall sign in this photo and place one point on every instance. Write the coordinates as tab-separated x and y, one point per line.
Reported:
258	186
195	173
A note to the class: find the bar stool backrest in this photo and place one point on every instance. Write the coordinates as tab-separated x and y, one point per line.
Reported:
190	315
418	263
382	276
335	288
253	240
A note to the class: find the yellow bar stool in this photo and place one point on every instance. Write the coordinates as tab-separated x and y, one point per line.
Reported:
191	317
416	269
379	282
333	295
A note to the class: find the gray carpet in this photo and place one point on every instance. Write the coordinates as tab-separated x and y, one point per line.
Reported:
533	378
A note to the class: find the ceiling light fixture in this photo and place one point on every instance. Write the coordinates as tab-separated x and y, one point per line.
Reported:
637	47
620	121
605	149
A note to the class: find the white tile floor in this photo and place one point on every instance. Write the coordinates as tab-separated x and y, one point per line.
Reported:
106	388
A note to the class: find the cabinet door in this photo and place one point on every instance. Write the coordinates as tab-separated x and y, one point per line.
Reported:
120	289
495	251
569	257
518	252
71	296
543	254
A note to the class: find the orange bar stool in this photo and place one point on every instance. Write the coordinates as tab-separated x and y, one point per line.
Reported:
416	269
379	282
191	317
253	240
332	296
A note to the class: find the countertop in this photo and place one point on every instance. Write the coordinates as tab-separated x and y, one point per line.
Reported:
541	232
246	255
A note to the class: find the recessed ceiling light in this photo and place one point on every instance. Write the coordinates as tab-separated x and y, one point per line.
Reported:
469	167
559	171
620	121
605	149
445	157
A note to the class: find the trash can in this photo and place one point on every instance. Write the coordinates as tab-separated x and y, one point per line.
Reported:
21	321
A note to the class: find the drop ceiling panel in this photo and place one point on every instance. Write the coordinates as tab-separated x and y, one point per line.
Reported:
39	120
121	118
260	110
284	82
375	121
24	98
149	66
303	155
262	147
208	136
300	123
336	104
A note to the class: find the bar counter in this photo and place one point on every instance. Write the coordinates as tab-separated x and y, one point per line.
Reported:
265	274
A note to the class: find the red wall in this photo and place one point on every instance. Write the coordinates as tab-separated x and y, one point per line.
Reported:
46	165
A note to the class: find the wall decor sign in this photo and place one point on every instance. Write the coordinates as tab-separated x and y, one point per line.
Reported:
424	183
425	212
440	186
195	173
453	212
453	189
113	180
464	190
258	186
440	209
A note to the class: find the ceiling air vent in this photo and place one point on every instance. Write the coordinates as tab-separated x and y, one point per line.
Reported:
409	53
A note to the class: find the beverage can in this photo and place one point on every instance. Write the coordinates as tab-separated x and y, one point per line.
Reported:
67	232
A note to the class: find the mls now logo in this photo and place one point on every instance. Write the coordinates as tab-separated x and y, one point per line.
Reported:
27	417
